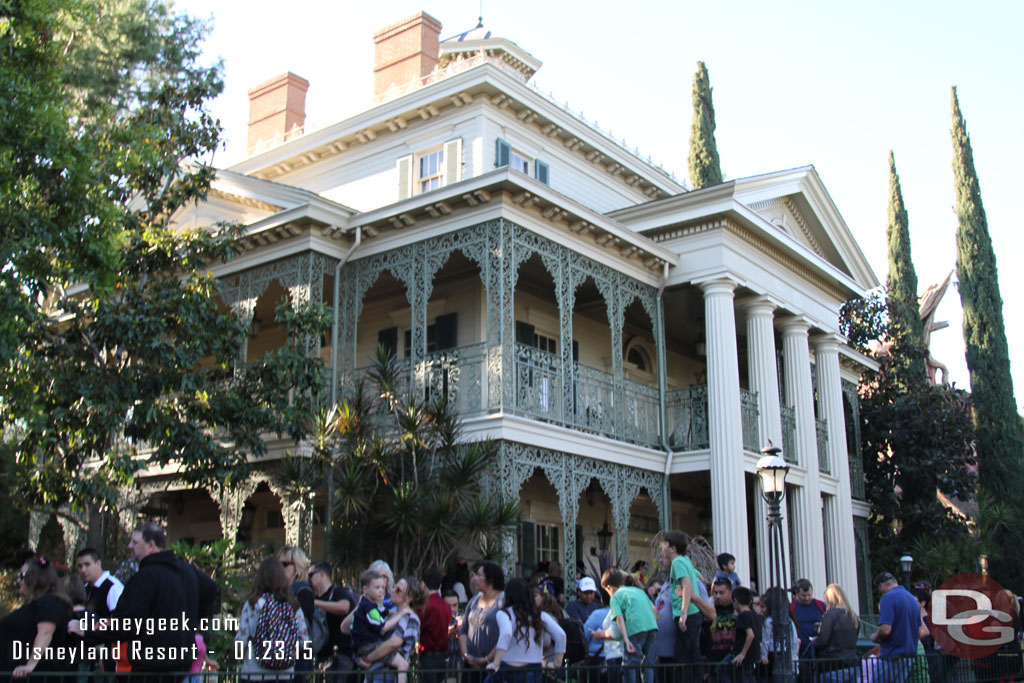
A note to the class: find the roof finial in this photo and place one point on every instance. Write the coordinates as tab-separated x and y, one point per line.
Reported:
480	19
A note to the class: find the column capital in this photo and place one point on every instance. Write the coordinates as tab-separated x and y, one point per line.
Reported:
794	325
721	284
827	342
759	305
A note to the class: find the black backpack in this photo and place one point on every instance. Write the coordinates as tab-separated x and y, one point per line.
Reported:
575	640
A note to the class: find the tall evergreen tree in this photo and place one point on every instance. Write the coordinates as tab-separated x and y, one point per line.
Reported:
904	314
705	168
998	426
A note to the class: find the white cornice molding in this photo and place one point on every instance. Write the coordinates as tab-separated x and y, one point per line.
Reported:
430	101
672	217
806	181
527	192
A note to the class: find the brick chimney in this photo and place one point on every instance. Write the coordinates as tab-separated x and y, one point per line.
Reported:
404	51
277	109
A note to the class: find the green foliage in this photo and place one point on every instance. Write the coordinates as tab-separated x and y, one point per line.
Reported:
226	562
115	353
901	290
407	487
936	559
863	320
1000	440
705	168
917	440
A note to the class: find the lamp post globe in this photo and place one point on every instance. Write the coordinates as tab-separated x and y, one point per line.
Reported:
907	564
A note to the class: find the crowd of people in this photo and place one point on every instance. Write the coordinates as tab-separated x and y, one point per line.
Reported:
296	623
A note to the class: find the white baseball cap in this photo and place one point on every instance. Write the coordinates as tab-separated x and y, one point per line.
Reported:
587	584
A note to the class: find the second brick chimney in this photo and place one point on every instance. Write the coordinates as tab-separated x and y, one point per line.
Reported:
404	51
277	110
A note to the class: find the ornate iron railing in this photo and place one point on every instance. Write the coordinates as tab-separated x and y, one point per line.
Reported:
537	383
748	408
688	417
687	411
593	400
821	432
641	423
857	487
789	434
629	411
457	374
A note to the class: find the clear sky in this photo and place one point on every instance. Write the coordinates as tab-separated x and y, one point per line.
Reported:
836	85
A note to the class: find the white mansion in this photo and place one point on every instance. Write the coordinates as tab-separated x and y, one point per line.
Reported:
630	344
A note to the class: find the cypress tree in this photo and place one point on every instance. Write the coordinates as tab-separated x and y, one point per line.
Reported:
904	314
705	168
997	423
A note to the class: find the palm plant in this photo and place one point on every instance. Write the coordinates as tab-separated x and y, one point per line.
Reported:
407	486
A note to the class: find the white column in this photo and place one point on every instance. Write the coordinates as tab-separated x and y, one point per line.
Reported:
762	373
725	426
830	388
830	520
807	527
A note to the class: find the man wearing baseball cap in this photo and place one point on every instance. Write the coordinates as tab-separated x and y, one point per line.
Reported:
899	621
583	606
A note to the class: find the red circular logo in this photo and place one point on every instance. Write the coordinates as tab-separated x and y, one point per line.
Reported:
971	615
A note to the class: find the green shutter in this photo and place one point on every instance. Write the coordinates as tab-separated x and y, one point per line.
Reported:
502	154
405	177
447	331
526	333
453	161
540	172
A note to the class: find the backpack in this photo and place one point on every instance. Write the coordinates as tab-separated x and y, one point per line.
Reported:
575	640
317	624
817	603
275	635
318	630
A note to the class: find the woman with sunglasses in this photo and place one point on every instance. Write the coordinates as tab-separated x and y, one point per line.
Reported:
41	623
296	568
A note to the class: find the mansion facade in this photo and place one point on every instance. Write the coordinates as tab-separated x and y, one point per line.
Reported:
629	344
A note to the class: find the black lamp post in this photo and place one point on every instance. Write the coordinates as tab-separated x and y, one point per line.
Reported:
773	470
907	563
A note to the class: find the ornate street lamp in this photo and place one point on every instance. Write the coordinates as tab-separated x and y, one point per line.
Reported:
773	470
907	563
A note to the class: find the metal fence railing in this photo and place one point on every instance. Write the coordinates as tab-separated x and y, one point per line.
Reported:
1004	665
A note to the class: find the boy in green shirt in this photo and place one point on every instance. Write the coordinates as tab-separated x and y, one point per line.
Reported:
636	617
684	578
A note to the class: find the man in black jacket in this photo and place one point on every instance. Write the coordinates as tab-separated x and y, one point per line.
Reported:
159	612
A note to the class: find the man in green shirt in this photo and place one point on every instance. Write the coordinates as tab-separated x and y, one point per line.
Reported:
684	579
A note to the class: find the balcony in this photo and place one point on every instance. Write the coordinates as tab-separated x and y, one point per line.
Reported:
591	405
595	404
687	411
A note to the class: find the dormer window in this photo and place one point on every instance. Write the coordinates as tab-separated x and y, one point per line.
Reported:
504	155
430	169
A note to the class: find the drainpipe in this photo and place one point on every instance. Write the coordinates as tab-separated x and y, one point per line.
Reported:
662	389
334	371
